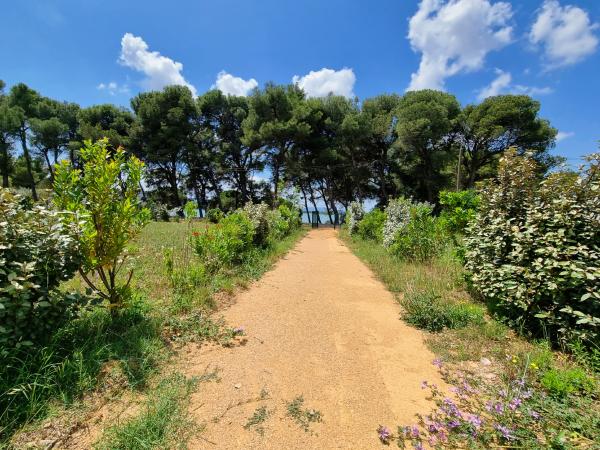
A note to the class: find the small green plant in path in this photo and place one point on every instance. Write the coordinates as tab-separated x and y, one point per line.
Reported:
261	414
163	423
102	198
303	417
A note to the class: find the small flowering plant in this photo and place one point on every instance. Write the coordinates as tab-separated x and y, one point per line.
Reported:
478	414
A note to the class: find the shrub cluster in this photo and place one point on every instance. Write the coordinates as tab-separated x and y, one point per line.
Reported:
534	249
408	230
371	225
37	252
236	236
397	217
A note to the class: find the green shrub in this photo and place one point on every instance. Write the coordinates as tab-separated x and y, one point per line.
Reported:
158	211
37	252
190	210
371	225
103	202
533	250
227	242
458	210
279	227
214	215
563	382
427	310
421	238
291	215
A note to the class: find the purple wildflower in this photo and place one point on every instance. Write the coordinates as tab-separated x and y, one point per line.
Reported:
505	431
238	330
534	414
453	424
414	432
527	394
424	384
435	427
494	407
384	434
418	446
474	420
514	403
437	362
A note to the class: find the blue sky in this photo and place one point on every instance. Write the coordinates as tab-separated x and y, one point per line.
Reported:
92	51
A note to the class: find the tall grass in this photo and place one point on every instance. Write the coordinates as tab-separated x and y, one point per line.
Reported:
70	364
162	423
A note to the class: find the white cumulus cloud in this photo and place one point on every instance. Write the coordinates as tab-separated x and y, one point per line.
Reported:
113	88
497	86
502	84
160	71
565	33
562	135
230	85
323	82
455	36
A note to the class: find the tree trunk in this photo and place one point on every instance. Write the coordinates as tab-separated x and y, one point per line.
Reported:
23	136
382	187
275	183
305	202
314	203
322	191
47	158
4	165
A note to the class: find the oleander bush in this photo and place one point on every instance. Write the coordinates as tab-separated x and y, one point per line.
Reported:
258	215
397	216
371	225
533	250
354	215
37	252
102	201
421	238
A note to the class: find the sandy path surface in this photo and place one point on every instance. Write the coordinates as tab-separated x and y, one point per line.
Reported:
318	325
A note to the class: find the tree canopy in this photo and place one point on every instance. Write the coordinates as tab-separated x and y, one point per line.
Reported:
223	150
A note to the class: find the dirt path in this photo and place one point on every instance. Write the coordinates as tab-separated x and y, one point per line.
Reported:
319	325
